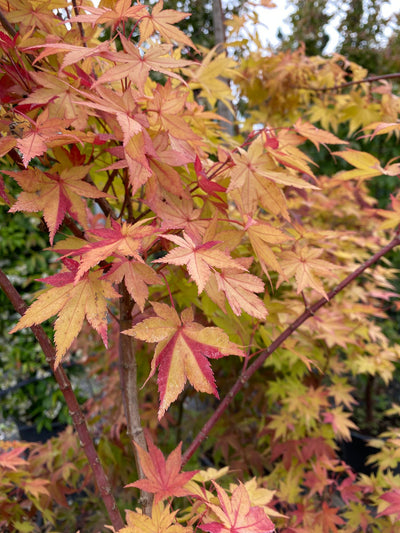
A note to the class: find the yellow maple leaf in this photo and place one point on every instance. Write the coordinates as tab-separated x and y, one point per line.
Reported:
71	301
161	520
207	77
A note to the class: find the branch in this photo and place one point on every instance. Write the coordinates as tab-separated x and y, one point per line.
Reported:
246	374
350	83
74	408
129	388
6	25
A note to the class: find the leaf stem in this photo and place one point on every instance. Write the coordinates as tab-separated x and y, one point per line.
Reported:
75	411
246	374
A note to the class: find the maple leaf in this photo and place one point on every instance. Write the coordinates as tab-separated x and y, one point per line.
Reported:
239	289
304	264
136	277
182	352
161	521
125	239
161	20
207	77
121	11
43	132
36	487
316	135
393	498
200	259
136	65
74	53
72	302
329	518
367	166
163	477
261	234
54	194
392	217
177	213
12	459
236	514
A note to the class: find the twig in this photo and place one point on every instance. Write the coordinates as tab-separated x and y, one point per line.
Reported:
350	83
82	33
6	25
245	376
75	411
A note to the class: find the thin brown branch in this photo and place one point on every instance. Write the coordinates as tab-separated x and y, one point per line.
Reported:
75	411
129	388
82	33
371	79
246	374
6	25
102	202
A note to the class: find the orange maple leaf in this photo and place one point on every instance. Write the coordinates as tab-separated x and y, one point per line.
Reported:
303	264
239	289
136	66
136	277
236	514
45	131
200	259
182	352
72	302
261	234
316	135
163	477
12	459
162	21
121	11
54	194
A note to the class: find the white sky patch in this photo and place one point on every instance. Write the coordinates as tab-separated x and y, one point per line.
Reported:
273	19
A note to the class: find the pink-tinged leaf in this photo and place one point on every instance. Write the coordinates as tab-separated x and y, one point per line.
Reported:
136	277
125	240
36	487
236	514
200	259
182	352
12	459
239	289
392	497
32	145
163	477
54	195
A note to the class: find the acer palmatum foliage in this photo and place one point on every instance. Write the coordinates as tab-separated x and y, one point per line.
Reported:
211	246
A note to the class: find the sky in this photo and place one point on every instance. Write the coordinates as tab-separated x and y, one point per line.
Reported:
277	17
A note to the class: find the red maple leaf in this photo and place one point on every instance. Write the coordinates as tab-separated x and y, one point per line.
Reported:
392	497
163	477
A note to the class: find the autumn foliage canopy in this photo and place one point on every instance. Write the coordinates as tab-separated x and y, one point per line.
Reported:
197	261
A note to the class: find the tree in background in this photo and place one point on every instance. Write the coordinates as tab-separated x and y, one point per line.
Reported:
308	26
361	33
